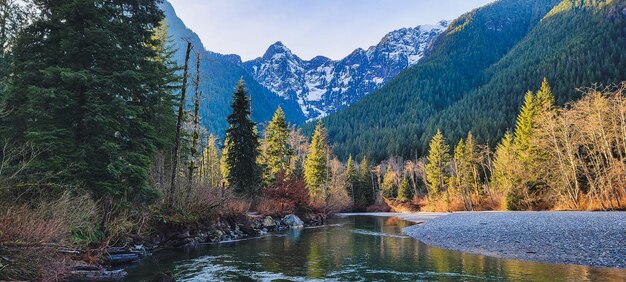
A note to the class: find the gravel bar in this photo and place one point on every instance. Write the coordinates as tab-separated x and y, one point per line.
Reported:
586	238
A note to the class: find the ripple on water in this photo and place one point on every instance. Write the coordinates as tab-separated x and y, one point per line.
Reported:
379	234
218	268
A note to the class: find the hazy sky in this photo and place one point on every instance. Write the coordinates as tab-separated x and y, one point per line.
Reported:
333	28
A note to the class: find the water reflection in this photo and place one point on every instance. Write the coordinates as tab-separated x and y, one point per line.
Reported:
360	248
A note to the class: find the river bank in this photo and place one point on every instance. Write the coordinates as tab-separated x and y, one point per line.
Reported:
582	238
251	226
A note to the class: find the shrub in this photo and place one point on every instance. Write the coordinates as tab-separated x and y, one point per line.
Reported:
235	209
289	195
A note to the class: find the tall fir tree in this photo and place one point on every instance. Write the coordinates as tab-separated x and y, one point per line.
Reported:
437	172
544	99
463	173
526	177
276	152
87	77
242	147
365	194
460	167
405	193
506	176
473	162
316	164
524	124
160	115
14	16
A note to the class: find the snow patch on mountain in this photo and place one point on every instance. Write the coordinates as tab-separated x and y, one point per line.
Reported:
321	85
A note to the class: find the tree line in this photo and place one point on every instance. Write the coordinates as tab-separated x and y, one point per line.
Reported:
570	157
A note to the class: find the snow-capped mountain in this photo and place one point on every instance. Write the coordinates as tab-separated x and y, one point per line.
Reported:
322	86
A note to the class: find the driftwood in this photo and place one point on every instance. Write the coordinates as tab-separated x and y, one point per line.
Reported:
97	275
122	258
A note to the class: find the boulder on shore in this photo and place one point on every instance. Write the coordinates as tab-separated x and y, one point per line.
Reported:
268	221
293	221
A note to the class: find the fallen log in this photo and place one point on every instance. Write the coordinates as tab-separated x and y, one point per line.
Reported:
122	258
97	275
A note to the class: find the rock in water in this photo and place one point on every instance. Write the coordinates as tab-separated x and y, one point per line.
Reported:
293	221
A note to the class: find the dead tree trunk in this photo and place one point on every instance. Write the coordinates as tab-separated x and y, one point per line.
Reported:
179	122
196	128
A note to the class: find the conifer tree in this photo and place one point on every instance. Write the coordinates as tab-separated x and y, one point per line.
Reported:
86	102
316	163
276	152
390	187
437	172
544	99
506	176
473	161
526	153
524	124
364	188
405	193
298	169
242	147
462	169
460	166
160	115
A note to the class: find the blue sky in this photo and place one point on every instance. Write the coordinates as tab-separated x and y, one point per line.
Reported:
333	28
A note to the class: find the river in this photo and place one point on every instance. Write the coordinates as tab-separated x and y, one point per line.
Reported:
355	248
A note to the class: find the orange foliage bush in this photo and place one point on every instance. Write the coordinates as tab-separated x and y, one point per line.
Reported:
287	197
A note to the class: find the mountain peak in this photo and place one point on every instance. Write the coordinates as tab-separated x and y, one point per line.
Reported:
276	48
278	44
322	85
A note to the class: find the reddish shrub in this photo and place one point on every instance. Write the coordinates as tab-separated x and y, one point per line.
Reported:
274	207
288	196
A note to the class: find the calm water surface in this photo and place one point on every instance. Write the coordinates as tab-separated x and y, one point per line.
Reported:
357	248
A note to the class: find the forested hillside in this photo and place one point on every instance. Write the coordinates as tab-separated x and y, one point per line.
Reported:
478	71
219	75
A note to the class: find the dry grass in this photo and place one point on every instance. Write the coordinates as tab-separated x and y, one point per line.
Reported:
590	204
47	221
32	264
31	235
450	204
235	209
